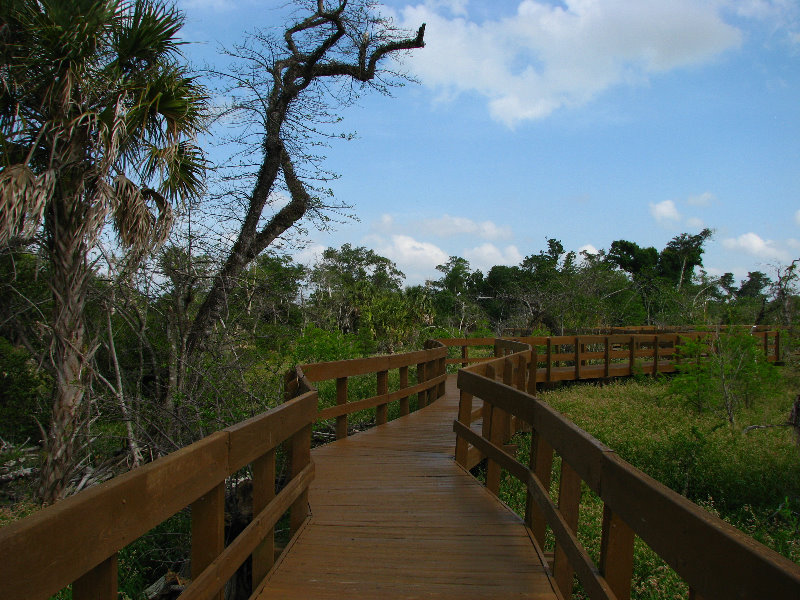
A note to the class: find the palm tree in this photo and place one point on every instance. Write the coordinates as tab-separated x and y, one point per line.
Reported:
97	121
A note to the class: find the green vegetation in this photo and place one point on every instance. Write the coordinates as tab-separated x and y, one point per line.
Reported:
122	349
751	480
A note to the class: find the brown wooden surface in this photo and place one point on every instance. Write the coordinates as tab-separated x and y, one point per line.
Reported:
75	540
393	516
715	559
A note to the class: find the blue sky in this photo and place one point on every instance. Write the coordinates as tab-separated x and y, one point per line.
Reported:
583	120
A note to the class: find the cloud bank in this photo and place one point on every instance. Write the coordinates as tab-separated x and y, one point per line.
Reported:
547	56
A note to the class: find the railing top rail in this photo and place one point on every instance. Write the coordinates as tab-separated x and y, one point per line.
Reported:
362	366
713	557
63	541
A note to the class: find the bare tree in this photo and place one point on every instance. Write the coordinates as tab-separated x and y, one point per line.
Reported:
292	86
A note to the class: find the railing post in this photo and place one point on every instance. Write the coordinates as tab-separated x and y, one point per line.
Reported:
300	449
549	366
777	345
421	395
496	427
607	371
569	499
263	493
382	410
442	371
655	356
404	409
98	584
208	530
464	355
616	554
522	369
341	398
577	358
541	463
464	417
632	354
533	371
766	344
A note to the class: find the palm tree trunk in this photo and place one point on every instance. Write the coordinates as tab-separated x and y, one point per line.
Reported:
69	279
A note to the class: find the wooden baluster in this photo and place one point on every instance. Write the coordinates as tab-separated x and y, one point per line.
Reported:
694	595
569	499
493	431
300	456
577	358
508	379
549	365
616	554
404	406
766	344
263	493
341	398
655	356
541	463
464	356
632	354
98	584
430	373
521	372
420	379
382	410
607	370
208	530
533	374
442	371
464	417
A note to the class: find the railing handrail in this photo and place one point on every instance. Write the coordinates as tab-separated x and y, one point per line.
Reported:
76	540
714	558
643	345
430	375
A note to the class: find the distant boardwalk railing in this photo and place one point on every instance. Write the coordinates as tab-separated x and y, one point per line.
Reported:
715	559
427	366
562	358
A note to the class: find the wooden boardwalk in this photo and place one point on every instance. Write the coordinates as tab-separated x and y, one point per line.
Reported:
393	516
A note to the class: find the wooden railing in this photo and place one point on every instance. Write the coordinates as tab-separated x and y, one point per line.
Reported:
77	540
713	558
560	358
427	365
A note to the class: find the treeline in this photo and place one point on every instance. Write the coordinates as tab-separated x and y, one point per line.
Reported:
156	396
125	337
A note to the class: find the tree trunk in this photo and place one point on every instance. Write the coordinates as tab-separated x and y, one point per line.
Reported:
70	272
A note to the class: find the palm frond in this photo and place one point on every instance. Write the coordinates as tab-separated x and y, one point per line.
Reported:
23	198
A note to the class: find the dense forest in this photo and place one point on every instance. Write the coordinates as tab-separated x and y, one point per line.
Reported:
149	296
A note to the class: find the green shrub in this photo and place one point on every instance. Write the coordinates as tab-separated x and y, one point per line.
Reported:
24	394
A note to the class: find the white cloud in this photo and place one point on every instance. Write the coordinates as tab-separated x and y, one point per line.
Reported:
447	226
548	56
588	248
704	199
414	258
695	223
754	245
797	217
487	255
310	254
664	211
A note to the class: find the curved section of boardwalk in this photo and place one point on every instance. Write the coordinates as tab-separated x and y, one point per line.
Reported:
393	516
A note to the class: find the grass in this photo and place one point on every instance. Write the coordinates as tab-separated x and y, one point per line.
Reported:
751	480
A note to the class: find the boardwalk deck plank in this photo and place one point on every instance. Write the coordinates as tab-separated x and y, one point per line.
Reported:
393	516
